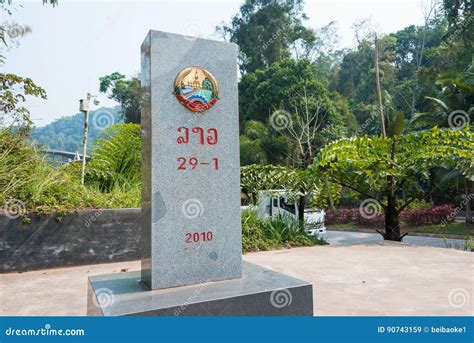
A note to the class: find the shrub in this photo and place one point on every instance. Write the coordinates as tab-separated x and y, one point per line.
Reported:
426	216
259	234
341	216
413	217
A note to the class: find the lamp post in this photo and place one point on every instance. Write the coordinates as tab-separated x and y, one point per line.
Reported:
84	106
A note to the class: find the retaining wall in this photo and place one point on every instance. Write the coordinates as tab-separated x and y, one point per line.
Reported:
85	237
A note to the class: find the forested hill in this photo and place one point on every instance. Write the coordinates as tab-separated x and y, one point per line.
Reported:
66	133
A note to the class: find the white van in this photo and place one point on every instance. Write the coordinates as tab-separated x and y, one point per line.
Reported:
277	202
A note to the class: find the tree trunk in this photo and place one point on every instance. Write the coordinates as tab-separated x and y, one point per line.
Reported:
431	186
392	220
307	160
301	205
379	91
468	189
392	212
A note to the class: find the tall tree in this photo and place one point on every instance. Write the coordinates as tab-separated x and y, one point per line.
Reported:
126	92
460	18
265	30
279	87
355	79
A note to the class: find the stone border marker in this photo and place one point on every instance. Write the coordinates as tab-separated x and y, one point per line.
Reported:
191	228
191	187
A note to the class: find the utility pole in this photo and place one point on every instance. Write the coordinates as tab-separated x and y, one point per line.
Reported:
379	91
84	106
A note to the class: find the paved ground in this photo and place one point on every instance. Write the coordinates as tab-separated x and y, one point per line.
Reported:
366	279
351	237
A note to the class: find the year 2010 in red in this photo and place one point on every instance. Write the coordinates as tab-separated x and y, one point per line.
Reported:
199	237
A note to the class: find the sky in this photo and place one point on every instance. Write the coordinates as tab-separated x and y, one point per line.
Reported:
71	45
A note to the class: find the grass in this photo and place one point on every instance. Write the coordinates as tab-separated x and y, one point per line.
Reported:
28	183
454	228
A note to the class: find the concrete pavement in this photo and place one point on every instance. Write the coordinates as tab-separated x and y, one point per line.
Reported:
351	237
387	279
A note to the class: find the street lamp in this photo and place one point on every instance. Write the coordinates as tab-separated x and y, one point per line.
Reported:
84	106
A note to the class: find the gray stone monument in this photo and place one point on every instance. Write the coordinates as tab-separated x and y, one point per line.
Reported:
191	229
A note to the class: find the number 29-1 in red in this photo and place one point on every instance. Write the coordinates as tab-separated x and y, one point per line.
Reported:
199	237
193	163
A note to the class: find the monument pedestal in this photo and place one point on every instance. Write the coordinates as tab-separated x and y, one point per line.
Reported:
260	292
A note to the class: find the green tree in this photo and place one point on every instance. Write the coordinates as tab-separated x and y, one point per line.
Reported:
67	132
280	86
259	146
410	61
411	45
459	14
390	168
126	92
15	89
265	31
325	55
354	79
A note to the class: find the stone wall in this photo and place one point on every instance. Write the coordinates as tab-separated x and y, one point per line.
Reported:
85	237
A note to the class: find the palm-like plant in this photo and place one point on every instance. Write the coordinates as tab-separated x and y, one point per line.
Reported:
116	158
454	106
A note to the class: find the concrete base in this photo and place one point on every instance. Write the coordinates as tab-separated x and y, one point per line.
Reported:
260	292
